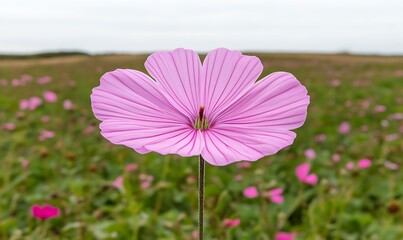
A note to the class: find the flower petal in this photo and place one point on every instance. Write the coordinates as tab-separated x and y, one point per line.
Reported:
278	101
178	74
135	113
225	75
302	170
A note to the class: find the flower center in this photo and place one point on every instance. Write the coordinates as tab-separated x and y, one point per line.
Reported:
201	121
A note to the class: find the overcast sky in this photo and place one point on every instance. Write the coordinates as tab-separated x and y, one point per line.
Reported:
97	26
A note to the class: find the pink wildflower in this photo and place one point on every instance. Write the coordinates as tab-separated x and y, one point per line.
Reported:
118	183
44	80
320	138
251	192
302	172
50	96
25	163
44	212
364	163
131	167
350	166
276	195
45	119
68	105
45	134
231	222
215	109
24	104
344	128
244	164
9	126
34	102
310	154
336	157
285	236
380	108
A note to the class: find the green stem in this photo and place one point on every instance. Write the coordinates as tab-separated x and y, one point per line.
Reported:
201	196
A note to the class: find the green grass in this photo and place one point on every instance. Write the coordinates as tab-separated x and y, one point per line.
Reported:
74	170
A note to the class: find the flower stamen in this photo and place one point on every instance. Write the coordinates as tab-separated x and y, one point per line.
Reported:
201	122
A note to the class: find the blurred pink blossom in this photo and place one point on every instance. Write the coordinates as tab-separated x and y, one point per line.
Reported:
364	163
50	96
335	82
243	164
145	185
391	165
250	192
285	236
231	222
15	83
350	166
45	119
131	167
67	104
24	104
118	183
44	80
89	129
320	138
380	108
336	157
44	212
45	134
344	128
276	195
195	234
34	102
364	128
25	163
238	177
391	137
302	172
310	154
9	126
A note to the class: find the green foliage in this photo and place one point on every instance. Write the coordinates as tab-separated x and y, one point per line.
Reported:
75	170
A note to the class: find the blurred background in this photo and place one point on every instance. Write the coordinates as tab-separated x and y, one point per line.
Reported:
60	179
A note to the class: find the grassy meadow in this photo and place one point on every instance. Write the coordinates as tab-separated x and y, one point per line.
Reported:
55	155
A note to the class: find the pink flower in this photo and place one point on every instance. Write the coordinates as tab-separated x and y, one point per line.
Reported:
336	157
34	102
350	166
50	96
320	138
89	129
285	236
45	134
24	163
276	195
364	163
302	172
344	128
24	103
45	119
391	165
231	222
251	192
15	83
215	109
44	80
310	154
195	234
9	126
244	165
44	212
131	167
68	105
118	183
380	108
238	177
145	185
335	83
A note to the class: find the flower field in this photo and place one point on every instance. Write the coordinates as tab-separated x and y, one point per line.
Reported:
341	179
